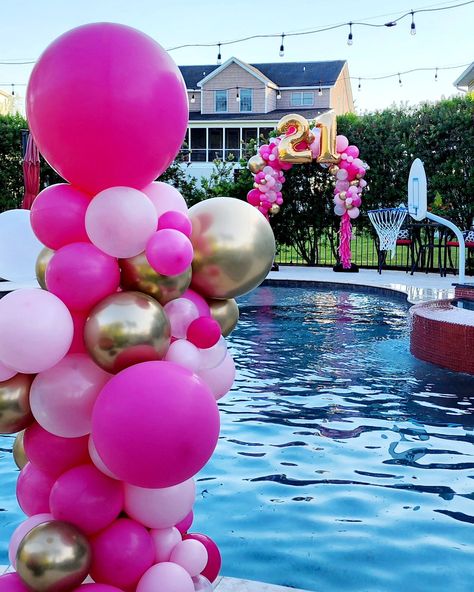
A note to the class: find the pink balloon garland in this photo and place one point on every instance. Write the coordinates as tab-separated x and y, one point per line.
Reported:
348	175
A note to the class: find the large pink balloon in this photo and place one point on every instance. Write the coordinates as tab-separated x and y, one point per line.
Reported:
165	198
221	378
53	454
120	220
167	577
58	215
107	106
160	508
81	275
28	344
12	582
6	373
32	490
86	498
170	418
121	553
21	531
62	397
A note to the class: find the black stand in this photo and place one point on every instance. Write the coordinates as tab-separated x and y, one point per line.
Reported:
352	269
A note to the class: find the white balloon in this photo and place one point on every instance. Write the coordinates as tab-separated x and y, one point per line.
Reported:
19	247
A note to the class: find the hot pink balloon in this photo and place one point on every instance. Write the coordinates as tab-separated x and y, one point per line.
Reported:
6	372
214	561
165	406
21	531
121	98
86	498
169	252
62	397
165	198
28	344
81	275
190	554
120	221
200	302
176	220
53	454
221	378
32	490
341	143
58	215
184	525
121	553
165	540
93	587
159	508
203	332
167	577
12	582
352	151
79	318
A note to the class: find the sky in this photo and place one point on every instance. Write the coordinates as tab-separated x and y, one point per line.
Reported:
442	38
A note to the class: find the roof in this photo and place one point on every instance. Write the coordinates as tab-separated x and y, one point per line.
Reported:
275	115
283	74
466	77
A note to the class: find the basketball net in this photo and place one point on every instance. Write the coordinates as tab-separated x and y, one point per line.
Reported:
387	222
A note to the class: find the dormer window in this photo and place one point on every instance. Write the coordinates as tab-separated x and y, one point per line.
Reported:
220	98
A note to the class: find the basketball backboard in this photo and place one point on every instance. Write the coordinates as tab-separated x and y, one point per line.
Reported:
417	191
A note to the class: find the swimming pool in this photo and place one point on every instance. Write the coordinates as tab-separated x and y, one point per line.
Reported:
344	463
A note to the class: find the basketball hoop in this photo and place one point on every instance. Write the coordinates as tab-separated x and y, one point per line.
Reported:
387	222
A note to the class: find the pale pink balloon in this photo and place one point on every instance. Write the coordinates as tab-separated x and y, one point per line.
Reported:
180	312
202	584
62	398
185	524
120	221
21	531
341	143
28	344
94	587
159	508
339	210
221	378
107	106
199	301
98	462
185	354
169	252
353	213
165	539
32	490
6	372
190	554
166	577
165	198
213	356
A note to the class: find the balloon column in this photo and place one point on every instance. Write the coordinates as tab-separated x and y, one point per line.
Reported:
112	371
297	144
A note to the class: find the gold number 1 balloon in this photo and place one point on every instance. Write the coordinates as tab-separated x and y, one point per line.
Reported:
328	153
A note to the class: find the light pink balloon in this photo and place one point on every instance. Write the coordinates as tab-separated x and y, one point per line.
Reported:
62	398
341	143
185	524
159	508
167	577
339	210
202	584
169	252
6	372
32	490
28	344
180	312
58	215
98	462
185	354
190	554
353	213
21	531
165	198
118	96
120	221
221	378
165	539
213	356
199	301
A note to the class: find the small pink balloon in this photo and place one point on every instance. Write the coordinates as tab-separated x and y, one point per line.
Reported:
81	275
352	151
185	354
11	582
32	490
86	498
213	356
203	332
21	531
190	554
221	378
120	221
339	210
93	587
6	373
356	201
214	561
62	398
98	462
353	213
54	454
176	220
165	198
180	312
28	344
121	553
165	539
185	524
159	508
200	302
341	174
341	143
167	577
58	215
169	252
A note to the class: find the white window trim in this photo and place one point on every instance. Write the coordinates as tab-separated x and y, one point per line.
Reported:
251	100
301	104
226	99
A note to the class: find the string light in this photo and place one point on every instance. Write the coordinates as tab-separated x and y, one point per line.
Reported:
193	98
359	86
13	90
413	26
282	47
278	95
400	80
219	56
237	96
436	75
349	37
320	90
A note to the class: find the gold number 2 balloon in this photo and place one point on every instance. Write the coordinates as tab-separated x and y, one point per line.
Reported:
298	127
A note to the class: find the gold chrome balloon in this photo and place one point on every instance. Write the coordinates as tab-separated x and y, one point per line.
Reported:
53	557
233	245
328	153
226	313
275	208
15	412
256	164
19	454
41	264
125	329
137	274
299	128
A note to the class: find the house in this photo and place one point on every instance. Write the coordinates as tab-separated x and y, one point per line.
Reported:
8	104
465	82
230	104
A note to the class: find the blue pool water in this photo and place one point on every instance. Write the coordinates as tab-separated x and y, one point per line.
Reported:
343	463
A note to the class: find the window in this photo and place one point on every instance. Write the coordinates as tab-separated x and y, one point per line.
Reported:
232	143
216	139
184	152
302	99
245	100
198	144
264	134
220	100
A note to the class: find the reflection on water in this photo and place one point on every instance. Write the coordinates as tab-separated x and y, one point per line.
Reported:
343	462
